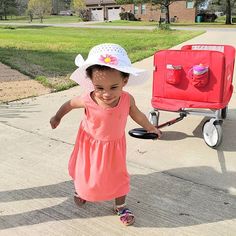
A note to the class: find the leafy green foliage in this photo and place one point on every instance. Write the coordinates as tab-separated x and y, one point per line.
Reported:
40	7
228	7
164	27
7	7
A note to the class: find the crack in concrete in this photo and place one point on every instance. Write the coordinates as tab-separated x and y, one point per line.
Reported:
38	134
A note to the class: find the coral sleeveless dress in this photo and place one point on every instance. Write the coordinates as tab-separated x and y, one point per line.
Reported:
98	161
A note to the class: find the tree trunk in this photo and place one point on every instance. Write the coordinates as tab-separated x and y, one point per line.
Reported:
228	13
30	18
5	13
167	20
167	13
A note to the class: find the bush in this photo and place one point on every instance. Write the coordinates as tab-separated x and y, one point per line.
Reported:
164	26
208	17
127	16
9	27
84	14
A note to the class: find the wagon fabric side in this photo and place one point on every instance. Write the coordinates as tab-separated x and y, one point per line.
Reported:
173	87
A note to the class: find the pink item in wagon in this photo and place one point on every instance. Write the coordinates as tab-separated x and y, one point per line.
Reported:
199	69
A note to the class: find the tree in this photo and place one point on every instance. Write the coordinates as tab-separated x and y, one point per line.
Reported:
40	8
78	5
21	6
59	5
80	8
67	3
55	7
228	12
164	4
227	7
7	7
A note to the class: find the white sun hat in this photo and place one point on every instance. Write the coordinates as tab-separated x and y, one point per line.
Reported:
111	55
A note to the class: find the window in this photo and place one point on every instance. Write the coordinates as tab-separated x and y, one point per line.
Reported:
189	4
135	9
143	9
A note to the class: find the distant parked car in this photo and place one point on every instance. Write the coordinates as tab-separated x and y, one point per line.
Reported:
219	13
66	13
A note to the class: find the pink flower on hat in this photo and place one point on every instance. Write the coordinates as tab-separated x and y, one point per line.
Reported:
108	59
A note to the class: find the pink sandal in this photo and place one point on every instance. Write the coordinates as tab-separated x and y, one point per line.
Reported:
78	200
126	216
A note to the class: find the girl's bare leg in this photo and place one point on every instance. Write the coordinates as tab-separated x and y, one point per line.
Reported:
78	200
120	200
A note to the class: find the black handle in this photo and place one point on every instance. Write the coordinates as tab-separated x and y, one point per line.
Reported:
142	134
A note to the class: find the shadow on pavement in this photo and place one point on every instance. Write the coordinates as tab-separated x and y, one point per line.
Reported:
159	199
18	109
228	141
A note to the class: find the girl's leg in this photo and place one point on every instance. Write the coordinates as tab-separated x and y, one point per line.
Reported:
126	216
120	200
78	200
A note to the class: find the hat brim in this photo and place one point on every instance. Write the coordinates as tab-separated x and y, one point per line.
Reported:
137	76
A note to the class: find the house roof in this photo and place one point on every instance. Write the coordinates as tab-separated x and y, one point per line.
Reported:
99	2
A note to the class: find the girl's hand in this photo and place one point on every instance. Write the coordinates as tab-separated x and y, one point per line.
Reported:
54	122
76	102
155	131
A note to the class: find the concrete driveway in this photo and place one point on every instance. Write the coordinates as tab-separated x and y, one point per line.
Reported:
179	186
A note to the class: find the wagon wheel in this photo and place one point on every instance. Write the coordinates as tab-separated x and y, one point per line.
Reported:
212	133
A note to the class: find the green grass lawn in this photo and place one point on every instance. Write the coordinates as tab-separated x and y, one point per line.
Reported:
50	51
146	23
56	19
46	19
206	25
220	22
127	23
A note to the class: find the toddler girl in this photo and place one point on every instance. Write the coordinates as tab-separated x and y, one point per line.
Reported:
98	161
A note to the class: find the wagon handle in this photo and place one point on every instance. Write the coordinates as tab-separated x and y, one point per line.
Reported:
143	134
173	121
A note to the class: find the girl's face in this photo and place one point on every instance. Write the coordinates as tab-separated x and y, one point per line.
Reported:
108	85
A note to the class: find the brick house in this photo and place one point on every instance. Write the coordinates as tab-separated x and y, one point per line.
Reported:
180	11
101	10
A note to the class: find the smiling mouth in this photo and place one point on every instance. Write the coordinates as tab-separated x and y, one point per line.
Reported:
107	99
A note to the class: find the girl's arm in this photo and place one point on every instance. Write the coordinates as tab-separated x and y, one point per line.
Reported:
141	119
76	102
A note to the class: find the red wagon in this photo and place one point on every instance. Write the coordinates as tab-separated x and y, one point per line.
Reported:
194	80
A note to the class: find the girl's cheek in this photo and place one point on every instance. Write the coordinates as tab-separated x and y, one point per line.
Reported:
96	93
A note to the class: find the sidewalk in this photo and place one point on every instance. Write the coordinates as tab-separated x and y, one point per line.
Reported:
179	186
